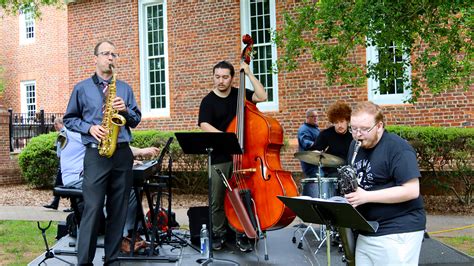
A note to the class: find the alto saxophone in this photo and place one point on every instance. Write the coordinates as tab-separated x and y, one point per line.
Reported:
111	121
348	184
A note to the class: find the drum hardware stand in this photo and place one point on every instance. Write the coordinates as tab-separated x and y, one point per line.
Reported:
331	213
207	143
49	254
153	252
310	226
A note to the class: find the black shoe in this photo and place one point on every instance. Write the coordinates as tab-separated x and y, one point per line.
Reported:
51	206
243	243
217	243
68	210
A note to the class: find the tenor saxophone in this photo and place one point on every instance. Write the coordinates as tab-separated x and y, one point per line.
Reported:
111	121
347	184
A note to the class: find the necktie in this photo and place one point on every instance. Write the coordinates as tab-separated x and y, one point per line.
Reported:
105	90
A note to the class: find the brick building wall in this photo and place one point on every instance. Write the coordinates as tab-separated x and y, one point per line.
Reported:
9	170
200	34
44	60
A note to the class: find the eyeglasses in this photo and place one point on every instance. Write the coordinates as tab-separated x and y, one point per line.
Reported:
114	55
362	130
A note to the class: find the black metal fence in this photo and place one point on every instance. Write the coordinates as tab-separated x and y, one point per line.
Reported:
24	126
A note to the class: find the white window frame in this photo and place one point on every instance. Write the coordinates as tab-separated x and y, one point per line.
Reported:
373	86
245	29
24	19
144	69
24	97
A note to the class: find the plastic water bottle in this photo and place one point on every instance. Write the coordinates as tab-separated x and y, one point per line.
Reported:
204	241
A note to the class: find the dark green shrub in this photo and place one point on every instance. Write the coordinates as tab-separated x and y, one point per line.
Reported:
190	170
447	153
38	161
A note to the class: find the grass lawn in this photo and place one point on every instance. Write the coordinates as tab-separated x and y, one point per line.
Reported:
461	243
21	241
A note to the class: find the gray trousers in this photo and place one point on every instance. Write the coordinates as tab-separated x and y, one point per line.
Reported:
217	198
104	176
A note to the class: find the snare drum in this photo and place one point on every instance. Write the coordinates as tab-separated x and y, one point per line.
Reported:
311	187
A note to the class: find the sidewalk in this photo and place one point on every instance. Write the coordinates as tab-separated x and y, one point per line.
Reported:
437	225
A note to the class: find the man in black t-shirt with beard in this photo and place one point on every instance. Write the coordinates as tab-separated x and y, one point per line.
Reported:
388	192
217	110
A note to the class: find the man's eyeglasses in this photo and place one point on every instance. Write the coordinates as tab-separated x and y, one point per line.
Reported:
362	130
114	55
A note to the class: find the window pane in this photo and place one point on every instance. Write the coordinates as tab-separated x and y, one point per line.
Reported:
157	81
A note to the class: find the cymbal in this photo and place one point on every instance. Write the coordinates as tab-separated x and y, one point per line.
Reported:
315	157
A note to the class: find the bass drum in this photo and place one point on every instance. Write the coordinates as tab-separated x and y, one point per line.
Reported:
328	187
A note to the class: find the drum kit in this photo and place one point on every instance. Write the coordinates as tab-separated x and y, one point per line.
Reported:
319	186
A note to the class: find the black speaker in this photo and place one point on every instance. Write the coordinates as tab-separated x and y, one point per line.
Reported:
197	217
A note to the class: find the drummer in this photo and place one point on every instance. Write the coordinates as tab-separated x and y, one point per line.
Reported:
307	134
336	139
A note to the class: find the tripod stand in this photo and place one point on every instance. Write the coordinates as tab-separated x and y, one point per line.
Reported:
49	254
210	143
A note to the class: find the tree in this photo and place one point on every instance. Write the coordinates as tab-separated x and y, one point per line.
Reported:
436	34
12	7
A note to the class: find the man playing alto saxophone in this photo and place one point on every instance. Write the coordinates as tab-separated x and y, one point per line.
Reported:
389	192
103	176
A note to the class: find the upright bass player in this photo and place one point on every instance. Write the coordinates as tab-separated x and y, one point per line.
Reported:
216	112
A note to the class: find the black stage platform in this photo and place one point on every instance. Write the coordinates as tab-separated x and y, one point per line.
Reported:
281	251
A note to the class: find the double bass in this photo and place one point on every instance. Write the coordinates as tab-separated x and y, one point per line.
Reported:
251	204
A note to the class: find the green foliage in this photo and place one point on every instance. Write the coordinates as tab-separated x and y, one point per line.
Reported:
189	170
38	161
448	153
13	7
21	241
436	34
2	81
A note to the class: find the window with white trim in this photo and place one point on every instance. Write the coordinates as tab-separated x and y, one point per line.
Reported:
384	92
258	20
27	27
28	97
154	88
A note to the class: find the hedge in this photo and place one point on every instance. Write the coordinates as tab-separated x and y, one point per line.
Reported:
447	153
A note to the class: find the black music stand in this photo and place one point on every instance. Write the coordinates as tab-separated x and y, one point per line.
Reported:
209	143
330	213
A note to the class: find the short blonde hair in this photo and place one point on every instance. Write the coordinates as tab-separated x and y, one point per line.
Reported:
369	108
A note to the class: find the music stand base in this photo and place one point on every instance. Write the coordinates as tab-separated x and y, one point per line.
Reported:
209	261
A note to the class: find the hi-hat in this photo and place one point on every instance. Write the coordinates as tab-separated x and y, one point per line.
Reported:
315	157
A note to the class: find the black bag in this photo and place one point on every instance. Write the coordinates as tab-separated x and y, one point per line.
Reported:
71	225
197	217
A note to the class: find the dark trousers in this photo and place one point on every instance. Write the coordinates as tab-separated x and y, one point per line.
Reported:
58	182
111	177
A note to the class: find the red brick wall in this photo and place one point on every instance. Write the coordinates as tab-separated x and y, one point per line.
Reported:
44	60
9	171
199	35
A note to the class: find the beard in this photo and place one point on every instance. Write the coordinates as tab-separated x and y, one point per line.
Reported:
369	143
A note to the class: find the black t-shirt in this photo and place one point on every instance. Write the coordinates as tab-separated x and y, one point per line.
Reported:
336	144
219	112
392	162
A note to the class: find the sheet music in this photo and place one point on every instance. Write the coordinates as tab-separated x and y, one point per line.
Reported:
334	199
